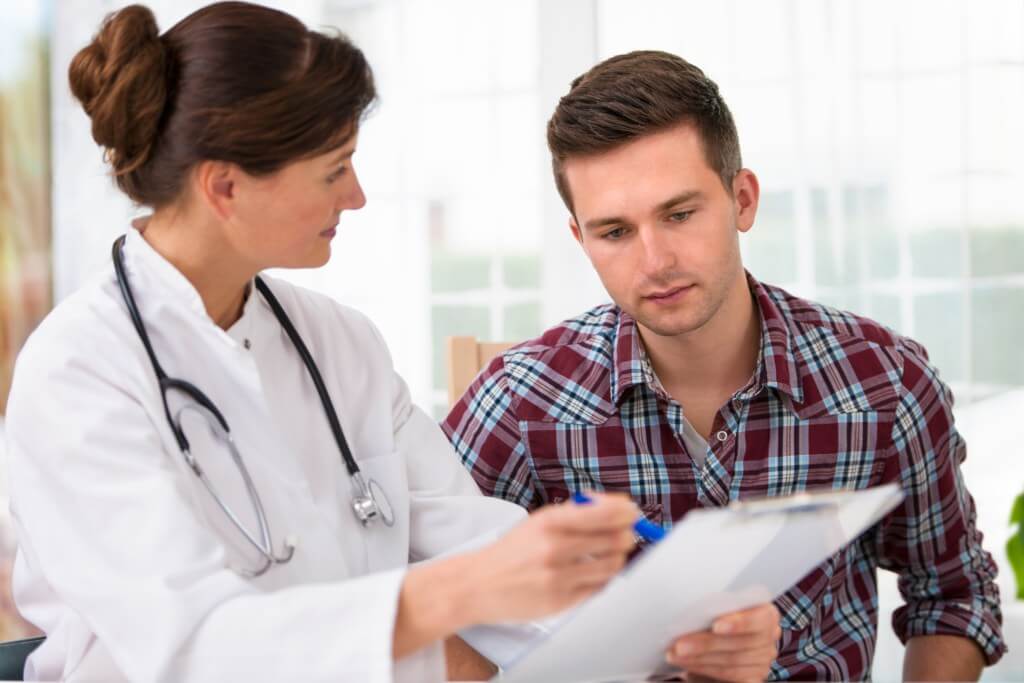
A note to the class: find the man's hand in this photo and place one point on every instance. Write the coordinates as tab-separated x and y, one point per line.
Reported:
739	647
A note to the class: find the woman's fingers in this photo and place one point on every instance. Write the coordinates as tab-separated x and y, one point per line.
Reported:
581	548
607	512
558	556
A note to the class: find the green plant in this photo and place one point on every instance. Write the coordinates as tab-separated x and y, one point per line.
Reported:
1015	546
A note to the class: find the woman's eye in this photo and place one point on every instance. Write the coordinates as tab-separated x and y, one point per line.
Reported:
337	174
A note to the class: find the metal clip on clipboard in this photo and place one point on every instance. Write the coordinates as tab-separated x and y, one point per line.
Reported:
794	504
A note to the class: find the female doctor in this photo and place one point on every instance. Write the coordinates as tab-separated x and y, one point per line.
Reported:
216	475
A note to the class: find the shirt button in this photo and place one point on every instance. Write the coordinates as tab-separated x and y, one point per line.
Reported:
247	344
722	435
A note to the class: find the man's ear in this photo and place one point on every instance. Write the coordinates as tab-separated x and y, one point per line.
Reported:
215	183
745	191
574	228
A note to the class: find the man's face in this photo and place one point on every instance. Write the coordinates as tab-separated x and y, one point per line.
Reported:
660	228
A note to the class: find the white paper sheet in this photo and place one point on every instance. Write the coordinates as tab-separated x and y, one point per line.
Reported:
714	561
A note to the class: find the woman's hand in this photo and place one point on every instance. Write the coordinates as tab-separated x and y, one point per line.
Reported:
555	558
550	561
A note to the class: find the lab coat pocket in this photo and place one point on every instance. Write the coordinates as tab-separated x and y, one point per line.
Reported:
387	536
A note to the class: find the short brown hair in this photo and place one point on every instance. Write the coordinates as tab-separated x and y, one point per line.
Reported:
636	94
232	82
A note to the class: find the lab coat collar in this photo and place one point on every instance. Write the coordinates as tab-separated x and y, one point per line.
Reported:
145	263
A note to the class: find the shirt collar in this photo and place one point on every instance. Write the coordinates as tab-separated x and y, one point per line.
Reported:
776	362
628	364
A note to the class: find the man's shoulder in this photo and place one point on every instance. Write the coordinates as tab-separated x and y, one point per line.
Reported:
566	370
804	314
595	327
862	347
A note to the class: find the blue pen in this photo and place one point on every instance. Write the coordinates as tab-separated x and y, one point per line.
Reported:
647	530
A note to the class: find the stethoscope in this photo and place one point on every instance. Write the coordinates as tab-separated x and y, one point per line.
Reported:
369	501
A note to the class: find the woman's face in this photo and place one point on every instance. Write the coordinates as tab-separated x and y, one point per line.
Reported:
288	219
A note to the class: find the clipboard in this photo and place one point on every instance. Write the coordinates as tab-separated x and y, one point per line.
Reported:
713	562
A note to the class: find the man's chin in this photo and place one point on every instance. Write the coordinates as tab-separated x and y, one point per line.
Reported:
667	326
669	330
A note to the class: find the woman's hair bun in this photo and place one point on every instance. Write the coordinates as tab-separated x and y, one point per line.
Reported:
121	80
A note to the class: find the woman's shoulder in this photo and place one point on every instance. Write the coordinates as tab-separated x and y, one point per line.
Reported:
87	322
80	344
316	313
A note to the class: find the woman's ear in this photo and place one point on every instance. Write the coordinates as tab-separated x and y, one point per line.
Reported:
215	183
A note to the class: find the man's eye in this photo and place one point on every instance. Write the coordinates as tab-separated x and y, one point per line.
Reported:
680	216
614	234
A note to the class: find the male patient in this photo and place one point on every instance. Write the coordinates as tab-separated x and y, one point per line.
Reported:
701	385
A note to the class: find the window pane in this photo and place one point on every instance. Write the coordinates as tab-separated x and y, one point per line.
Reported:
769	248
522	271
453	271
940	323
522	322
997	327
997	250
450	321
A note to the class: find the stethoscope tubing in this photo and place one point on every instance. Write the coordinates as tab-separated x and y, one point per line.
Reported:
365	504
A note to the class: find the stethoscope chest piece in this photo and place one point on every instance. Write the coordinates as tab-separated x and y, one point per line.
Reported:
369	502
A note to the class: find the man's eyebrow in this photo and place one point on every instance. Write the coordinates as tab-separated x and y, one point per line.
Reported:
680	198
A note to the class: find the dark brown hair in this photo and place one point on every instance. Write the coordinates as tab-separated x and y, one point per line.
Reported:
231	82
636	94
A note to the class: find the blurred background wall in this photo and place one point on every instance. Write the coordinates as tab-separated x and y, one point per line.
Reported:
887	137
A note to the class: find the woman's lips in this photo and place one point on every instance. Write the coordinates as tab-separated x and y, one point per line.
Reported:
329	233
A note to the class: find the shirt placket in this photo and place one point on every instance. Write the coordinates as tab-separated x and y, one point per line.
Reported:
716	477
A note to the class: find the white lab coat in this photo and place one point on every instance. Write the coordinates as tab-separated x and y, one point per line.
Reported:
123	558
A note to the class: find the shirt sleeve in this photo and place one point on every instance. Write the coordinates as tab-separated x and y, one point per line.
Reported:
945	576
483	428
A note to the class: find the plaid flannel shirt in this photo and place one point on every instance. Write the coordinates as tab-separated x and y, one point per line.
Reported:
836	402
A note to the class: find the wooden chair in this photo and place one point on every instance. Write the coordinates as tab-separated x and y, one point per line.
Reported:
466	358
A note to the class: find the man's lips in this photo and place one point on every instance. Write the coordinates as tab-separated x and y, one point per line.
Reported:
667	294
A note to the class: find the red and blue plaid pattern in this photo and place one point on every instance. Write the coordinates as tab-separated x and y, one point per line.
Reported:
836	402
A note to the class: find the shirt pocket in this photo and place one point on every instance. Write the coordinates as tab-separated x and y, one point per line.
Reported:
565	458
827	452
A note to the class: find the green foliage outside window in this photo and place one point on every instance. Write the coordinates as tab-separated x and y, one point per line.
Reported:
1015	546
